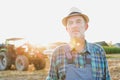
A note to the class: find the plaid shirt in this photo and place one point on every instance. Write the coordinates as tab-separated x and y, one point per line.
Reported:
98	61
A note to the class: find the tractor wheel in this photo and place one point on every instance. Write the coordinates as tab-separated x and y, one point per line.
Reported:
21	63
40	64
4	61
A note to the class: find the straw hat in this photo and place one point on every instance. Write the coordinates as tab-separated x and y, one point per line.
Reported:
74	12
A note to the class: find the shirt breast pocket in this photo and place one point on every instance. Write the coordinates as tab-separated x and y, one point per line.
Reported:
99	72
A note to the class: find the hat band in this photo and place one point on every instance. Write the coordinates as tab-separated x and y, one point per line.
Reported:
74	13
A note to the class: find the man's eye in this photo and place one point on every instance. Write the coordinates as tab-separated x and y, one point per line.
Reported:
78	21
69	23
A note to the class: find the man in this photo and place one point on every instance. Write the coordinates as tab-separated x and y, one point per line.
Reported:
78	60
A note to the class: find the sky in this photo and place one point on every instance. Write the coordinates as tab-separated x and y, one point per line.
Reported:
39	21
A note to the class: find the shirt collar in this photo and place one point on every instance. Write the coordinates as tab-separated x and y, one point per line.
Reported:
86	49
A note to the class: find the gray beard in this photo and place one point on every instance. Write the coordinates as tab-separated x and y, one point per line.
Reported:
81	35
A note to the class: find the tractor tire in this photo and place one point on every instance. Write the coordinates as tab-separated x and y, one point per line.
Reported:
21	63
40	64
5	61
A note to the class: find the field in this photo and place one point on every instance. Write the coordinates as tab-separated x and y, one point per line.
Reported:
32	74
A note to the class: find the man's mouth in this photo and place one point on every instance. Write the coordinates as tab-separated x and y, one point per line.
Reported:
75	31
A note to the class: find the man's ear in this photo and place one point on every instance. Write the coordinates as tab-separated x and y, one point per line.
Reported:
86	27
66	28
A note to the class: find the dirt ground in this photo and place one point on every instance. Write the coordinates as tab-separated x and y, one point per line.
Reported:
114	67
32	74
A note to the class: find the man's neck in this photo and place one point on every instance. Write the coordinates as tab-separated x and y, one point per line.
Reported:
77	44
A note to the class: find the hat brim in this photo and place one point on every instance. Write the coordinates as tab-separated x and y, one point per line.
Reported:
64	20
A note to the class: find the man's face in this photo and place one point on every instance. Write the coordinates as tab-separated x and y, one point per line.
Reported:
76	26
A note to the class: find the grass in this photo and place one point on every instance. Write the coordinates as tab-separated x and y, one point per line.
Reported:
114	56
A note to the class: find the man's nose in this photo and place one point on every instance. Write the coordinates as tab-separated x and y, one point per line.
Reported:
74	25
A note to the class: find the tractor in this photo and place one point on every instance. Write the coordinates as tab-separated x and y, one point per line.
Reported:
20	56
